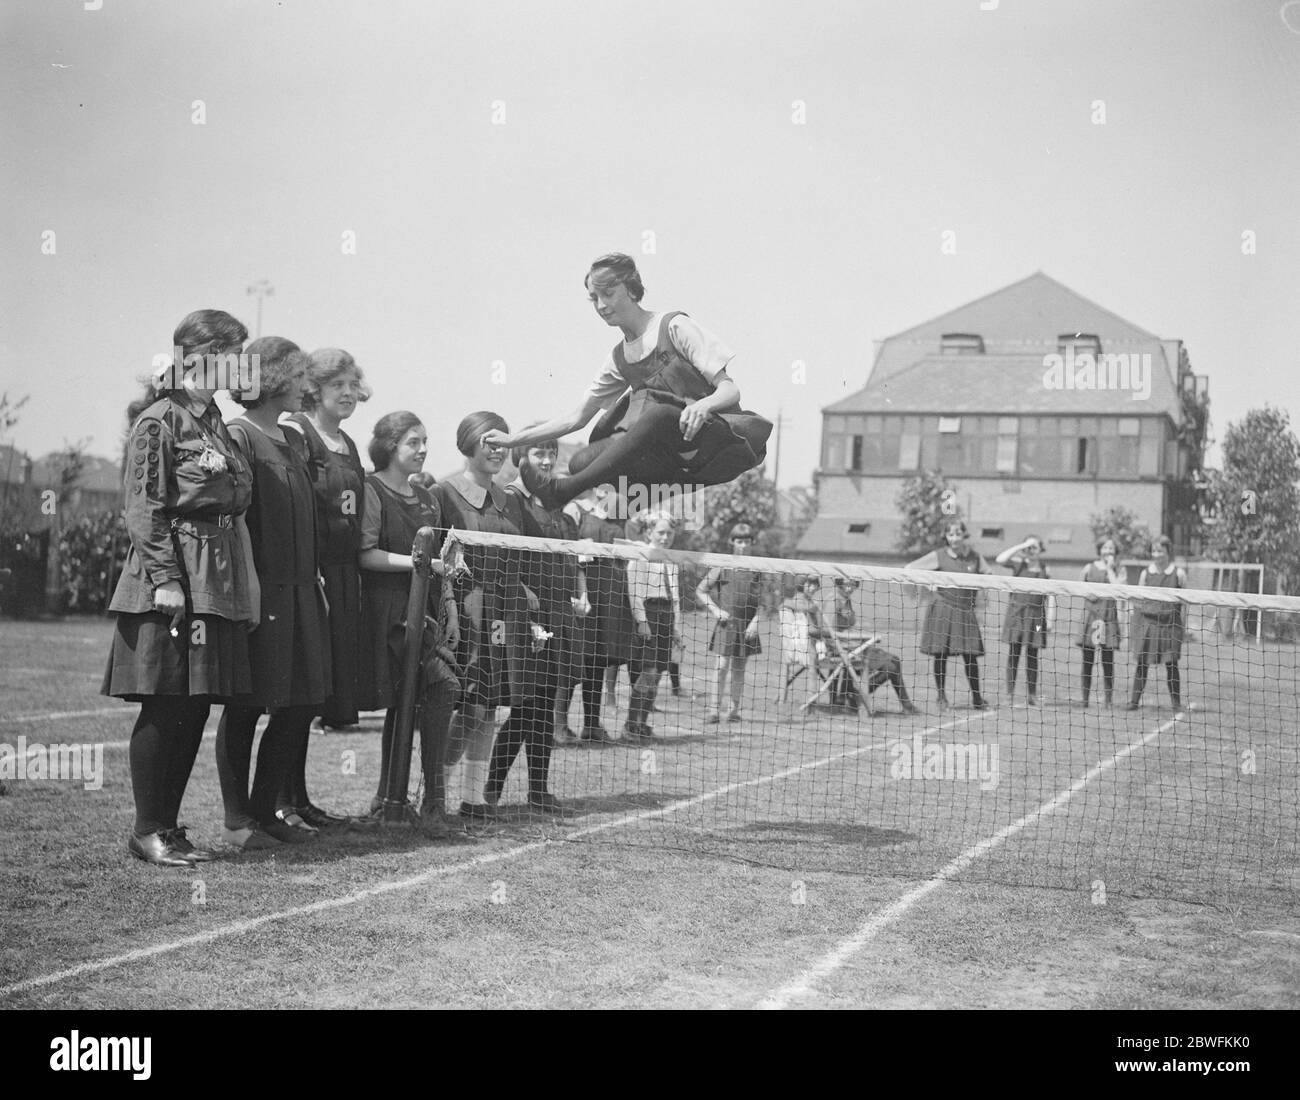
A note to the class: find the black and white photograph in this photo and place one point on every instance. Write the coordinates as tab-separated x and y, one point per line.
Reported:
585	506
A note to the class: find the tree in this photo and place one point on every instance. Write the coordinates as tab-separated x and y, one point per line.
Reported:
1132	537
927	502
750	498
71	465
1254	501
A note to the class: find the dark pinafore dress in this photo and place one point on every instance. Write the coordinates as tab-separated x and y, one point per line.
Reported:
738	592
289	650
554	580
384	595
950	624
340	502
730	442
1158	626
610	628
496	645
1026	621
1100	615
186	483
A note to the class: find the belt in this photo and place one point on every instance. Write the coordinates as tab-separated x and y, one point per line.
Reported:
217	519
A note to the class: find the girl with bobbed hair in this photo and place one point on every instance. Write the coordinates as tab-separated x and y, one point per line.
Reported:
397	505
289	650
1100	636
1030	617
1157	631
333	387
950	623
679	423
494	607
188	589
654	592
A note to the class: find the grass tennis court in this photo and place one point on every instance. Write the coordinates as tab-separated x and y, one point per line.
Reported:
713	869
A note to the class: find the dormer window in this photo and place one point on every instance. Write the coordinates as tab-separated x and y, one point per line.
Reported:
961	343
1079	342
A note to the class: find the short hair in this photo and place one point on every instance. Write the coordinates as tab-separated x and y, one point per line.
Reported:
472	428
622	272
274	359
741	531
328	364
1037	539
810	578
519	455
960	524
648	520
1109	538
388	434
1163	541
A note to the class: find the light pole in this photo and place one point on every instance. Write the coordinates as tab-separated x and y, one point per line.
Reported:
260	290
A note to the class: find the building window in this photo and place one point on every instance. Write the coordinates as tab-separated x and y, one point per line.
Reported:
949	425
991	532
1060	534
1008	444
1079	342
855	452
909	445
859	529
961	343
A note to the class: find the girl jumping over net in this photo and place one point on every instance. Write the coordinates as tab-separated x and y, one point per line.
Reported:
1100	636
951	627
673	415
1030	616
1158	626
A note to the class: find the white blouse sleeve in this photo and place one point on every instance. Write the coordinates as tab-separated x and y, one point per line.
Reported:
699	347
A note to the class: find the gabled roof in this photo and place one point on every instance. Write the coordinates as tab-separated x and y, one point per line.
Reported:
1025	317
1006	385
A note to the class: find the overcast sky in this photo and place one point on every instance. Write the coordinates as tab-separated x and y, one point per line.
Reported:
793	166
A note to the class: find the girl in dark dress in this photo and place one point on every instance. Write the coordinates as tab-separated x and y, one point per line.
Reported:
681	423
950	623
494	603
557	662
396	507
1158	626
289	651
188	589
610	629
333	388
1029	617
1100	635
734	598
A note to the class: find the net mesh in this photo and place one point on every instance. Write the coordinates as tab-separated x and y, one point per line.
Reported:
834	750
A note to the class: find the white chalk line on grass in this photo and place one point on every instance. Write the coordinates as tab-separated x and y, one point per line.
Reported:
828	964
433	873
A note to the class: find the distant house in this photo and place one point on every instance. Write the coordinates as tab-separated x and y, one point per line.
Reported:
24	481
1038	405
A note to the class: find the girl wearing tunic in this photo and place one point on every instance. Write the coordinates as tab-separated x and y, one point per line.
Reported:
1100	634
950	623
556	663
494	605
680	424
1158	626
1029	617
289	651
188	589
396	507
734	598
330	395
610	629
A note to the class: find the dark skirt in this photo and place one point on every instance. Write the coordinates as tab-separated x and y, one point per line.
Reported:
502	667
949	629
289	650
1026	621
569	645
657	650
1100	625
729	641
209	656
343	590
1156	641
383	605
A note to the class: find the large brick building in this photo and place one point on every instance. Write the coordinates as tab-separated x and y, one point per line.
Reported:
1040	407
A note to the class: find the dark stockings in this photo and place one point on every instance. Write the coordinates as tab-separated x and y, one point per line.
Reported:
164	744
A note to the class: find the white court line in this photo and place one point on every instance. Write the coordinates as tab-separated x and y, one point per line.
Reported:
434	873
802	985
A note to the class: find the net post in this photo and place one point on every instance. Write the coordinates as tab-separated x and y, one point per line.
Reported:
398	777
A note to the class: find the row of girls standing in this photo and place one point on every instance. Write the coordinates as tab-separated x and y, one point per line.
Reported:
239	534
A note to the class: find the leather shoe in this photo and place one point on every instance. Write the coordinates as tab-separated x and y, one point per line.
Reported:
290	828
598	735
249	839
478	814
321	819
182	844
157	848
